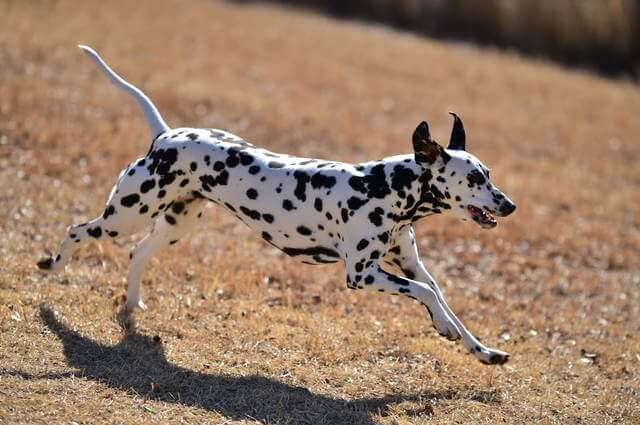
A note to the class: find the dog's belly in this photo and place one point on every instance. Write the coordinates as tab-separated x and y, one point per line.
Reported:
292	226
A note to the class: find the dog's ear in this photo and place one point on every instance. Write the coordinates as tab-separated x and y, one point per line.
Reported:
458	136
426	149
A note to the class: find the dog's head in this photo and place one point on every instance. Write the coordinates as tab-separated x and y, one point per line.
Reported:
455	181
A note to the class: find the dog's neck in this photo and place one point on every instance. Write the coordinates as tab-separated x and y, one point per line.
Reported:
413	183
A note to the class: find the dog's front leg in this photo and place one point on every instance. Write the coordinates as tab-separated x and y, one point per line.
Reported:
404	254
375	278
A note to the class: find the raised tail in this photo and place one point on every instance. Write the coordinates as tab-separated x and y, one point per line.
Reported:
151	114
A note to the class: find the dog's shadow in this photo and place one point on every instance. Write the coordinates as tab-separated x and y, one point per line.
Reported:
137	364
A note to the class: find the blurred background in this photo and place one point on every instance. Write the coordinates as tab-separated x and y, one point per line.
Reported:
599	34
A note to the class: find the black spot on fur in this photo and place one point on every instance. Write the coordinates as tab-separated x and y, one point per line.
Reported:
147	185
252	193
374	184
408	273
315	251
95	232
177	207
254	169
303	230
144	209
266	236
166	179
300	191
436	192
345	215
170	219
395	279
232	161
245	158
209	182
376	215
320	180
162	160
130	200
268	217
253	214
318	204
110	210
355	203
476	178
275	164
288	205
362	244
403	178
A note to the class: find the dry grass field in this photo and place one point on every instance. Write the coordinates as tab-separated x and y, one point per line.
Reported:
237	333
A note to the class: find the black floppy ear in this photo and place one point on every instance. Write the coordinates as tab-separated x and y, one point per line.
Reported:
458	135
426	149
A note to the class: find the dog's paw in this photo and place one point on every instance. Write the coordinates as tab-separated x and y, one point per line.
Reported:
49	264
45	263
490	356
125	319
135	304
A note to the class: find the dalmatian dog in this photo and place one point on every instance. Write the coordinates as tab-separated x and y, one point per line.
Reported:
315	210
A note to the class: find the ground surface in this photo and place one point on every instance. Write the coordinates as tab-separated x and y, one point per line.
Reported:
235	332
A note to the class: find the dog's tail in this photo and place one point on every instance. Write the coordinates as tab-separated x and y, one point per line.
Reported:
151	114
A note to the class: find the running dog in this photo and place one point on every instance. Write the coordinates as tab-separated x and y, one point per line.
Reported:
315	210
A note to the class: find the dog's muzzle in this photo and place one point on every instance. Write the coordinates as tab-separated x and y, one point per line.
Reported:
507	208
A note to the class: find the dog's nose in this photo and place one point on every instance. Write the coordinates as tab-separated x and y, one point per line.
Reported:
507	208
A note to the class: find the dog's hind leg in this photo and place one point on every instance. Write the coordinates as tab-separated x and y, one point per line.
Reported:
135	201
178	219
404	254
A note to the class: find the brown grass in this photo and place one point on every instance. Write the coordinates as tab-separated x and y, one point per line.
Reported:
235	332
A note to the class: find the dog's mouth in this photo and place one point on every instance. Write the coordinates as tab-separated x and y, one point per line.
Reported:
482	217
